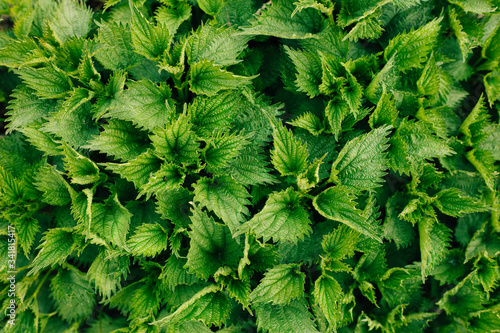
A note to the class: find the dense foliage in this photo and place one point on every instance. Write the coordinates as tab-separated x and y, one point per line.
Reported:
235	166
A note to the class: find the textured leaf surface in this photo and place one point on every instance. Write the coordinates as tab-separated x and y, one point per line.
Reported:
283	218
293	317
289	156
148	240
337	203
111	220
57	246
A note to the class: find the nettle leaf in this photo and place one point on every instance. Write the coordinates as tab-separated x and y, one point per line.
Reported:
250	167
452	202
168	177
280	285
341	243
283	218
355	11
327	294
411	49
434	241
289	156
222	149
206	78
337	203
58	243
174	273
174	205
220	45
474	126
27	228
71	18
21	52
148	240
276	20
211	7
74	297
52	185
47	82
111	220
293	317
309	122
309	72
145	104
173	15
475	6
209	305
211	247
149	40
116	51
463	299
74	127
385	113
81	169
216	113
25	108
225	197
107	271
119	139
362	162
176	142
139	169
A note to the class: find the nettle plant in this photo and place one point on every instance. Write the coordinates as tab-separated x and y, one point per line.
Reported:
235	166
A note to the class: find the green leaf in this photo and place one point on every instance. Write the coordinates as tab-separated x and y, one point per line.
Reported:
283	218
116	51
385	113
369	27
475	6
289	156
58	243
487	272
362	162
463	299
293	317
452	202
411	49
222	149
107	271
21	52
176	143
52	185
219	45
146	104
111	220
491	143
210	305
174	273
25	108
327	294
474	126
70	19
211	246
308	68
276	20
341	243
74	297
280	285
119	139
75	127
309	122
27	228
205	78
173	15
212	114
148	240
355	11
168	177
81	169
174	205
145	302
434	241
47	82
149	40
250	167
337	203
484	164
226	198
139	169
211	7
